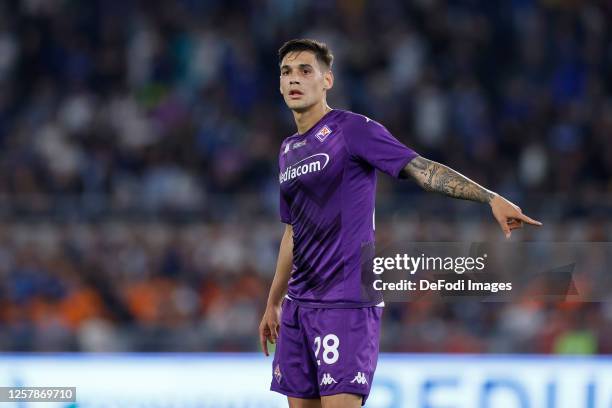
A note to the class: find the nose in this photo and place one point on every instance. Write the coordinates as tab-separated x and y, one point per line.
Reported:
294	82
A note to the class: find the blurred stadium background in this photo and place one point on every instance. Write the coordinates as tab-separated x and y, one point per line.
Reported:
138	165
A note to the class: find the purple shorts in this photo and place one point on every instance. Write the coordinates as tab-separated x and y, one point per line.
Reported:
326	351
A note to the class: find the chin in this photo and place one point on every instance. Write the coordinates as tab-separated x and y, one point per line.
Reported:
298	106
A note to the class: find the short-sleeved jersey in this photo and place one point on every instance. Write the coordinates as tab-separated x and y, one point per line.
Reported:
327	193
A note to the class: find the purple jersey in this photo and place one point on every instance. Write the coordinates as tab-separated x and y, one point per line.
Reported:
327	190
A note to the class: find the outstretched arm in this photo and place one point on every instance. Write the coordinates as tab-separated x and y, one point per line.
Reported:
433	176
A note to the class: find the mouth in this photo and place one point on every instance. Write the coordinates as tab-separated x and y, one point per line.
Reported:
295	94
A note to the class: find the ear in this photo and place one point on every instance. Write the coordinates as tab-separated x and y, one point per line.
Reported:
328	80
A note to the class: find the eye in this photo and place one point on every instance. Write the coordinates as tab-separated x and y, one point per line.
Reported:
284	72
306	70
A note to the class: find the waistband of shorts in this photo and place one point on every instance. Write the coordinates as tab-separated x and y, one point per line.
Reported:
335	305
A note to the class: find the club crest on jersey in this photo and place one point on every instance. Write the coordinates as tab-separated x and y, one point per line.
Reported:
287	146
323	133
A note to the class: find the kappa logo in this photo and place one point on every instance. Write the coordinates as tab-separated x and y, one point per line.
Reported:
360	378
277	374
323	133
327	379
286	148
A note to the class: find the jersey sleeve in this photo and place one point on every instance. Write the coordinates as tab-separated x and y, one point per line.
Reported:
372	142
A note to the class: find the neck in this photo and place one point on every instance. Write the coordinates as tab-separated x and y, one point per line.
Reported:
306	119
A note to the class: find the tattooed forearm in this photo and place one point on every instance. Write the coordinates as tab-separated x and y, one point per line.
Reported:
433	176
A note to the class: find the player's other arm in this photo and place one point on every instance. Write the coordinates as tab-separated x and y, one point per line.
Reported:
433	176
268	328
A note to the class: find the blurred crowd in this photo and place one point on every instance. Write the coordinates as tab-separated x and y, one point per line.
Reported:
122	105
200	287
111	112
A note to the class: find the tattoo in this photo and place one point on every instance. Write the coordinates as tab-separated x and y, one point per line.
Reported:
433	176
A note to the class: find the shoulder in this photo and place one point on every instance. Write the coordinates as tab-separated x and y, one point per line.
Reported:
357	127
289	138
352	117
357	121
285	143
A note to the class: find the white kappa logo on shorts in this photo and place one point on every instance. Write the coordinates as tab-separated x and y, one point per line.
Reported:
360	378
328	379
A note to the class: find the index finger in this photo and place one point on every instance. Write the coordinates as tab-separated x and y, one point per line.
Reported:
529	220
264	344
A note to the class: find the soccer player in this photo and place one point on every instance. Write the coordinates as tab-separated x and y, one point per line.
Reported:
325	328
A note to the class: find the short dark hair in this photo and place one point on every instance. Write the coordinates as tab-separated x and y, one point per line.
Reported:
320	50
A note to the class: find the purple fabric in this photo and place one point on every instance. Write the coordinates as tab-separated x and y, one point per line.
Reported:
342	360
327	192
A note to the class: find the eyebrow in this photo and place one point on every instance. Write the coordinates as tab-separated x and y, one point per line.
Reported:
301	66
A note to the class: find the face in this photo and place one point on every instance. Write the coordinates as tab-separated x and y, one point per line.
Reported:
303	81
